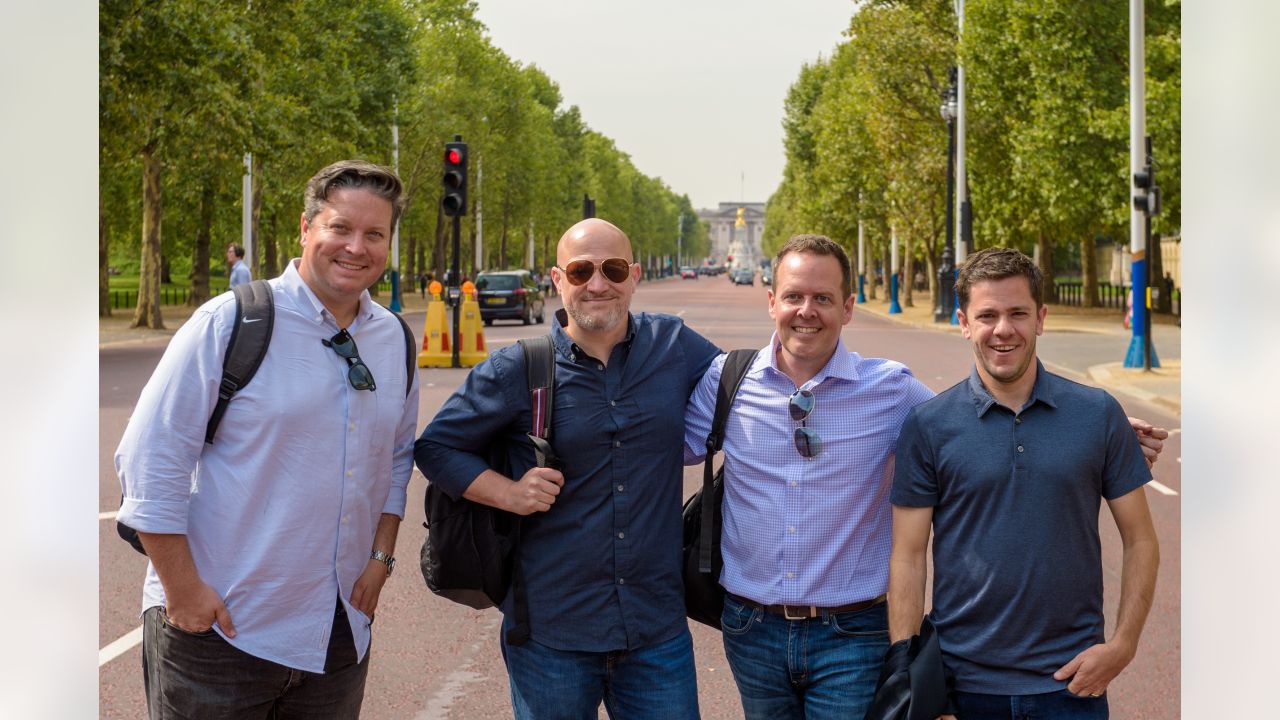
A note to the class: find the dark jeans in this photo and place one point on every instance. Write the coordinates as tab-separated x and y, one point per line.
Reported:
201	675
825	667
1060	705
658	682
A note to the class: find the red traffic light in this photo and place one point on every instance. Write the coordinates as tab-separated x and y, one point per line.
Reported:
453	156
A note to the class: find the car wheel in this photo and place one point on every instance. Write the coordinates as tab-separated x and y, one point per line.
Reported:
542	310
527	318
488	322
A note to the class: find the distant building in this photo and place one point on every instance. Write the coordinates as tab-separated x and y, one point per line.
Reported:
721	222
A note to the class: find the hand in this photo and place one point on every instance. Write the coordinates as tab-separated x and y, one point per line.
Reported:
364	595
946	717
1092	670
535	492
197	609
1151	438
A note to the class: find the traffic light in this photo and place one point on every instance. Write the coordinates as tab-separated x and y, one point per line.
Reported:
1146	198
454	201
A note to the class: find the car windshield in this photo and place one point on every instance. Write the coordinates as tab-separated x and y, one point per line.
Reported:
497	282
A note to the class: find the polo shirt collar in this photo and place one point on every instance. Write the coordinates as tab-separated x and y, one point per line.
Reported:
1041	392
842	365
304	299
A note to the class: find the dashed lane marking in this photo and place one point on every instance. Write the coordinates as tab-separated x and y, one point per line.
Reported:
107	515
119	647
1162	488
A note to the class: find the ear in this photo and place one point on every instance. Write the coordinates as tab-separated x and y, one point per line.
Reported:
303	227
1041	313
772	301
964	325
849	302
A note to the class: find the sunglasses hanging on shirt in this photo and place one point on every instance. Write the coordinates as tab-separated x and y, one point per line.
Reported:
358	374
808	443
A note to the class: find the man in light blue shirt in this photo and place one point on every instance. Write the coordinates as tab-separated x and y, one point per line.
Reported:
239	270
269	547
809	451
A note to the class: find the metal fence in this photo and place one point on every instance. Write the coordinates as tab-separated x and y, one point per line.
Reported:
1109	296
171	295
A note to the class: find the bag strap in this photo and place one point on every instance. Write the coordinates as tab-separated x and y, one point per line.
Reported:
731	376
540	371
250	336
410	354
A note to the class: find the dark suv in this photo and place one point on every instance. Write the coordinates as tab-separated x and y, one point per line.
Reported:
510	295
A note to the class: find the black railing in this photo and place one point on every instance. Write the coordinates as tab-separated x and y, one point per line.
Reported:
1109	296
171	295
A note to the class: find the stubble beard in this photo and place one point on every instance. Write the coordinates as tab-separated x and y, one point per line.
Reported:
602	321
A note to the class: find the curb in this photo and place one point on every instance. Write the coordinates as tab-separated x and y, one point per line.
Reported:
1102	375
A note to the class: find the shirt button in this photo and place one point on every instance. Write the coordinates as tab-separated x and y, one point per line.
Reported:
613	403
352	426
617	443
621	535
793	483
348	473
1019	448
791	574
791	529
622	581
620	488
1017	421
599	367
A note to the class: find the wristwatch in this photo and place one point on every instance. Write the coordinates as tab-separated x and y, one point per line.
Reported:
385	559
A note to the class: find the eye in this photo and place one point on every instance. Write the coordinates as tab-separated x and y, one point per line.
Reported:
824	299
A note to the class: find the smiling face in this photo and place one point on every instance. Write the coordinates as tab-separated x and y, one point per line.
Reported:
1002	321
808	307
345	248
598	305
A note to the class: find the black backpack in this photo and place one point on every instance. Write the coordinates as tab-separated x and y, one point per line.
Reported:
245	349
702	518
471	554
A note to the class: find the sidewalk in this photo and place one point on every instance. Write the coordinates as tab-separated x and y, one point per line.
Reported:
1162	385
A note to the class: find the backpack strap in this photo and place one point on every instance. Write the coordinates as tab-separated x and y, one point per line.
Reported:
735	369
540	370
250	335
410	354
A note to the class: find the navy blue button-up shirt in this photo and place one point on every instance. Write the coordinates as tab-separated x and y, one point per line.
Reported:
603	565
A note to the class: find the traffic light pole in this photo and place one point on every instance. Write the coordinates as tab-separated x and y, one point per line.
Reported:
455	292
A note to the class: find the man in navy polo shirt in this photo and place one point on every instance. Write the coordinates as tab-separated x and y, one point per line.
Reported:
1009	467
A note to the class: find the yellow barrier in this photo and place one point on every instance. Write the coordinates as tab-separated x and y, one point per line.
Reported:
471	349
435	333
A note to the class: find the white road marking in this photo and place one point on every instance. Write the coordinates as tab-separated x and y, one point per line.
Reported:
680	314
107	515
119	647
1162	488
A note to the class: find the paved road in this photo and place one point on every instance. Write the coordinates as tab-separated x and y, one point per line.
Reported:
434	659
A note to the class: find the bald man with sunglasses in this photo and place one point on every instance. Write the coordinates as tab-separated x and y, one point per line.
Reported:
600	540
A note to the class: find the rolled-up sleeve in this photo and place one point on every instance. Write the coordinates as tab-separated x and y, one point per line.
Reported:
453	449
165	435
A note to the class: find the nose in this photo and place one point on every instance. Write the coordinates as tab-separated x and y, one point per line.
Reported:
597	284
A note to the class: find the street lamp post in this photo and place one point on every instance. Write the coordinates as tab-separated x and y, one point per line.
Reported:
894	307
944	310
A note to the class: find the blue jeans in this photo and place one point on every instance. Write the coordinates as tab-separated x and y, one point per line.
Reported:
1060	705
826	667
658	681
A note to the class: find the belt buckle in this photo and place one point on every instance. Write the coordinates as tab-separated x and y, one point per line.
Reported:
808	611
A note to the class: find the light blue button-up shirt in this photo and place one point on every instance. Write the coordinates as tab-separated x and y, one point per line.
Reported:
807	531
240	274
280	510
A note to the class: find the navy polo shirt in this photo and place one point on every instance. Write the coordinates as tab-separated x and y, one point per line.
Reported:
1017	588
603	565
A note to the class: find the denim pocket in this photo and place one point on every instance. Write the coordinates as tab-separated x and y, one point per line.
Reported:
871	622
164	618
737	617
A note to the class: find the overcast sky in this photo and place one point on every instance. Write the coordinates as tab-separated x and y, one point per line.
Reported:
691	90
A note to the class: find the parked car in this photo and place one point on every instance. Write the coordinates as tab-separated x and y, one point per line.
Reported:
766	276
743	276
509	295
688	273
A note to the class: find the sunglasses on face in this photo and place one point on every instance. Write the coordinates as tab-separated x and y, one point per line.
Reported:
808	443
615	270
358	373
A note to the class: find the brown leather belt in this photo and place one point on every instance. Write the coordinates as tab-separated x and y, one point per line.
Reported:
808	612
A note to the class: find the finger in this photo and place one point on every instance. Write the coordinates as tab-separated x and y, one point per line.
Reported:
223	617
1068	670
1140	425
1159	433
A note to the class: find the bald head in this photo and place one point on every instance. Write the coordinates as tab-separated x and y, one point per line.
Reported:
593	237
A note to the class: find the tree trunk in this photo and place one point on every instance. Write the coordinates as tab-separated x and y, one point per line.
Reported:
1047	292
908	273
200	253
439	256
1089	271
104	285
255	221
166	277
411	270
886	263
502	244
147	312
931	272
271	246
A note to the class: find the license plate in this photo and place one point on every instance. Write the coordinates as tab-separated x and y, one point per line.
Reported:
495	301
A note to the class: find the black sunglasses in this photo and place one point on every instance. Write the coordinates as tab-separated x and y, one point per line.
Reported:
808	443
579	272
358	373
